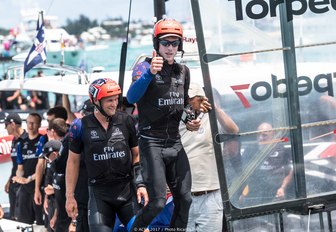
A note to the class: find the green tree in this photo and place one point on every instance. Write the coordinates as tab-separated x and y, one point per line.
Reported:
4	31
77	26
115	27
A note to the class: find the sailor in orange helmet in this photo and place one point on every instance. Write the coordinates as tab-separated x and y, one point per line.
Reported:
108	142
160	91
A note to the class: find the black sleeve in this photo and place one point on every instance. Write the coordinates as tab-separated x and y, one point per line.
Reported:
131	126
60	162
75	136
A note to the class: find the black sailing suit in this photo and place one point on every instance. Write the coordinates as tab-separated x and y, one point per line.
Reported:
161	99
109	165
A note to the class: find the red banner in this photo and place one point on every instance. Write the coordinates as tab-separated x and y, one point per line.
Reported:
5	148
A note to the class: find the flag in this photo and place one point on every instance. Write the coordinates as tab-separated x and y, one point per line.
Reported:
37	53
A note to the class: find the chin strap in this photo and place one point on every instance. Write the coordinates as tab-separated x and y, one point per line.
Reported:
108	118
182	53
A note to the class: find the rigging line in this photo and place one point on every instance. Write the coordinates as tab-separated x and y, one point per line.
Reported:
128	21
323	135
207	58
222	137
123	56
316	44
304	126
271	130
52	2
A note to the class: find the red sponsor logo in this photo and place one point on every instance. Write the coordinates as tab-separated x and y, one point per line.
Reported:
277	88
5	148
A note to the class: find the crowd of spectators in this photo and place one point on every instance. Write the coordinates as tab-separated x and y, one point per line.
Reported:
24	100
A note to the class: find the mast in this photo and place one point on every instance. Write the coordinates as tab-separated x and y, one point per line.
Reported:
159	8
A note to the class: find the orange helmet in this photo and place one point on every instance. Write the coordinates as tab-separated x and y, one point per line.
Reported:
103	87
165	28
168	27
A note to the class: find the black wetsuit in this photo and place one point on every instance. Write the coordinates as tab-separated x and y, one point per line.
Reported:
81	191
13	187
26	210
109	163
63	221
43	140
51	201
161	99
82	198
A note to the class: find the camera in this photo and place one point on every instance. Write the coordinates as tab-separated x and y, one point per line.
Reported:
189	114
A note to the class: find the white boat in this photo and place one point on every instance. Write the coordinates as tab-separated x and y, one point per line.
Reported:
13	44
59	41
73	49
73	81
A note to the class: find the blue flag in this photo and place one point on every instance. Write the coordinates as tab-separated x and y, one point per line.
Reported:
37	53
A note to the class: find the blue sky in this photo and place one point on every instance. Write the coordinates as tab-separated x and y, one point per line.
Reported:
94	9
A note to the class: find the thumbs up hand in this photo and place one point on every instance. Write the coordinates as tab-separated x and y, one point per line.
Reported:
157	63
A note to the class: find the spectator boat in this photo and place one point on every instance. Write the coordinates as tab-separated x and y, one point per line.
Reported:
61	46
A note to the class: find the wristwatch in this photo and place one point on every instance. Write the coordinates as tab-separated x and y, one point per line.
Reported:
30	178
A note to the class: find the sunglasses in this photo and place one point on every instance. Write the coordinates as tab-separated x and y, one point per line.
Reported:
167	43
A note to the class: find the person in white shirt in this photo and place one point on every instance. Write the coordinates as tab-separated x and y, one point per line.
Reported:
206	211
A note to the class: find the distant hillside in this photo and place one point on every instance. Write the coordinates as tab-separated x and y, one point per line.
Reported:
115	27
4	31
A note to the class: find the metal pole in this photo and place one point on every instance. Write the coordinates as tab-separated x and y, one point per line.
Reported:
287	34
123	57
159	8
212	115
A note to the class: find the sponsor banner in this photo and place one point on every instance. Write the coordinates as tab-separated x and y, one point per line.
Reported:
5	148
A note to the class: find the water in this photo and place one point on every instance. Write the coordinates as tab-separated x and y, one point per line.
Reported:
109	57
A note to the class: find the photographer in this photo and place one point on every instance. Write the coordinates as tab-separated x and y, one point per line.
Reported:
206	210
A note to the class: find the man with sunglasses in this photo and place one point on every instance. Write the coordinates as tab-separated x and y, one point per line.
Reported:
160	90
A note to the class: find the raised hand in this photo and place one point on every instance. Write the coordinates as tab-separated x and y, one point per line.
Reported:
156	64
